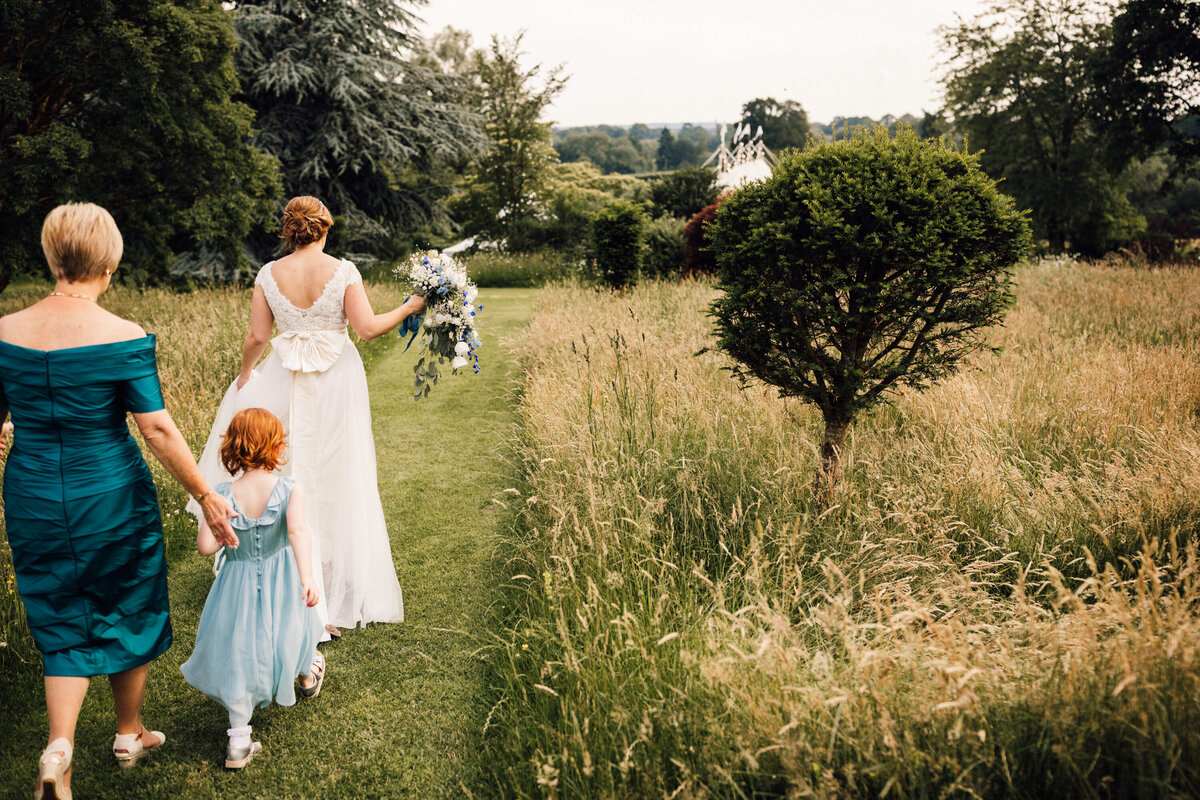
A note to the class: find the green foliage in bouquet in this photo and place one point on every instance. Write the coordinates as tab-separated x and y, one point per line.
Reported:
425	376
617	231
862	266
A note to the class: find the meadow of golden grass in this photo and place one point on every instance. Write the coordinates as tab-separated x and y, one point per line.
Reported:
200	338
1003	600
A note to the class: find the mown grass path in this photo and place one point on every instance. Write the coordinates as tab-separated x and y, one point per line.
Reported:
402	711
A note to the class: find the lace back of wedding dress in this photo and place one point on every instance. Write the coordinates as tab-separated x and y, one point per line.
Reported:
328	313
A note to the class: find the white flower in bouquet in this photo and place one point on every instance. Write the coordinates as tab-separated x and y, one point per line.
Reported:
449	320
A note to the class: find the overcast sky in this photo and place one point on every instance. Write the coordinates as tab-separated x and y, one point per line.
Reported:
700	60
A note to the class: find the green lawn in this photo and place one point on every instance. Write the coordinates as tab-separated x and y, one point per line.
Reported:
403	709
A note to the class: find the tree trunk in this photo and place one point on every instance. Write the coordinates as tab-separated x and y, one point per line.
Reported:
837	425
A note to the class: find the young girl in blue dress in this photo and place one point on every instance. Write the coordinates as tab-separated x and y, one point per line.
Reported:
259	630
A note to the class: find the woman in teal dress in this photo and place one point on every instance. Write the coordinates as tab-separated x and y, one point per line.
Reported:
80	506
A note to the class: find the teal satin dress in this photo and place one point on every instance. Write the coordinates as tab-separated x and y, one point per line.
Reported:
80	505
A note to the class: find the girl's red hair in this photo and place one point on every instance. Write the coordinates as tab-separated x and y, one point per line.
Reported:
254	440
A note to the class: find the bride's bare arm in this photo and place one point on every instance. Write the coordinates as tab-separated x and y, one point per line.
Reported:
367	323
261	320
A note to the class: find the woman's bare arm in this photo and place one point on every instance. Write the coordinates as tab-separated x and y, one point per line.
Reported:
367	323
169	447
261	320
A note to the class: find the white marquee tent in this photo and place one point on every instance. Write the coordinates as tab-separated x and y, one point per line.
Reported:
748	161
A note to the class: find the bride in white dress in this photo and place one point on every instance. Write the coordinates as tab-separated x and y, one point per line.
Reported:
314	381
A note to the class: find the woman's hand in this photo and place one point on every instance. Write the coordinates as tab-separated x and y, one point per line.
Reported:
217	513
415	304
242	381
5	430
309	593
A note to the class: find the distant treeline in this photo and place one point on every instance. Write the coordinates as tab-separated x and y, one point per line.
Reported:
1088	111
644	148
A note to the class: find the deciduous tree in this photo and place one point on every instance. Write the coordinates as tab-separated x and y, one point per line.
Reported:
512	100
784	123
1150	81
129	105
1020	85
683	192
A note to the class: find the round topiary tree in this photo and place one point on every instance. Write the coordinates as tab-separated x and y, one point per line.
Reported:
861	266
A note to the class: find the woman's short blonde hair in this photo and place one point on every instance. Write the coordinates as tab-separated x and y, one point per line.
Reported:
81	242
305	220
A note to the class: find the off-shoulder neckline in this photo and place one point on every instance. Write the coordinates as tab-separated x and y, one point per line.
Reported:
149	337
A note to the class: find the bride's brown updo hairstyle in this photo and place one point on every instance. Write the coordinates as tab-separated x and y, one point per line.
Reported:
305	220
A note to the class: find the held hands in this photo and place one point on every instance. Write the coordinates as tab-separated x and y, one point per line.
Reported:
309	593
217	513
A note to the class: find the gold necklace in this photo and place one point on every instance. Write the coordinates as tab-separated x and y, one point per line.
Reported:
71	294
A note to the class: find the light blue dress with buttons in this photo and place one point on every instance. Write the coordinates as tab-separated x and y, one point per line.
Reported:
256	633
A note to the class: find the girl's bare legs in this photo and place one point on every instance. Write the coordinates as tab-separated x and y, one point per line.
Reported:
128	689
64	698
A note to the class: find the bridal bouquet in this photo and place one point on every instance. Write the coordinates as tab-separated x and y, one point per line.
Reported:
449	318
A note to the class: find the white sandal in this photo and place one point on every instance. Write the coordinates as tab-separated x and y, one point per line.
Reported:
129	749
52	771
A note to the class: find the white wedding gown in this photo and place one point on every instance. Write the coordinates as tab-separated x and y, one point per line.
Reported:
314	381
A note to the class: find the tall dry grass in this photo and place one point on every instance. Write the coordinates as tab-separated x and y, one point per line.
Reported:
200	338
1002	602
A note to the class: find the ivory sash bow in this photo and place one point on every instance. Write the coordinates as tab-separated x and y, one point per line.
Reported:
310	351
